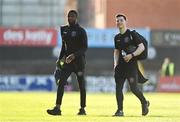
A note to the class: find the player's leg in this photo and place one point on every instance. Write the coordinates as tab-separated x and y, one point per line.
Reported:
63	76
119	92
134	88
82	88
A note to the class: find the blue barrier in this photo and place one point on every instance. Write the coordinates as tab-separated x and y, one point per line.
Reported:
27	82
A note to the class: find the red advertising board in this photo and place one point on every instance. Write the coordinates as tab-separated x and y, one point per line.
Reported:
169	84
27	37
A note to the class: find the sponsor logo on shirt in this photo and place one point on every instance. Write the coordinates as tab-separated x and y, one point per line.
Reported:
73	33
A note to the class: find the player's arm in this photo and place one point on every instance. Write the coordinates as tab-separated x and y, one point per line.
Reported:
84	44
137	52
116	57
140	45
62	52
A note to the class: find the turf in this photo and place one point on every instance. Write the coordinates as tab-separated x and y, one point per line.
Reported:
31	107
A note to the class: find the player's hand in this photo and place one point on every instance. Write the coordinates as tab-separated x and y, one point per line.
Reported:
59	64
127	58
70	58
115	65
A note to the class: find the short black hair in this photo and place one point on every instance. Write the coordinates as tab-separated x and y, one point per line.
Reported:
74	12
121	15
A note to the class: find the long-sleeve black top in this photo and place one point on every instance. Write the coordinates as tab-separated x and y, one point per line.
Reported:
74	40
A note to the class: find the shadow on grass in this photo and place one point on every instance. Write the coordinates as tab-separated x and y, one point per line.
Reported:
153	116
163	116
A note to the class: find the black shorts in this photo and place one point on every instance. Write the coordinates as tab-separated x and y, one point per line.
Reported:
123	72
130	72
64	73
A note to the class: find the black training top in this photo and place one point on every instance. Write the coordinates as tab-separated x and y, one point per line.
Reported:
128	43
74	40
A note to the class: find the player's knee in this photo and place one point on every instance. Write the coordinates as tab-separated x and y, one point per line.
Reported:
81	78
119	87
62	82
57	74
132	80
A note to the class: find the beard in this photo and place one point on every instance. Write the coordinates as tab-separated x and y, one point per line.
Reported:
71	22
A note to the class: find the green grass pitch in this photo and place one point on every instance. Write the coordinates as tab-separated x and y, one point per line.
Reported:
31	107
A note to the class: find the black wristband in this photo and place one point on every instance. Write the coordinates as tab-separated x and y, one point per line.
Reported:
132	54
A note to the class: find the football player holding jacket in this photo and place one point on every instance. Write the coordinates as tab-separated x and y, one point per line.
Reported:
71	59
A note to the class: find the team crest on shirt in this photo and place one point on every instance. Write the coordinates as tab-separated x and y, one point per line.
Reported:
73	33
126	40
64	32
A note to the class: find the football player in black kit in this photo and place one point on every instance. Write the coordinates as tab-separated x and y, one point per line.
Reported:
74	46
125	65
